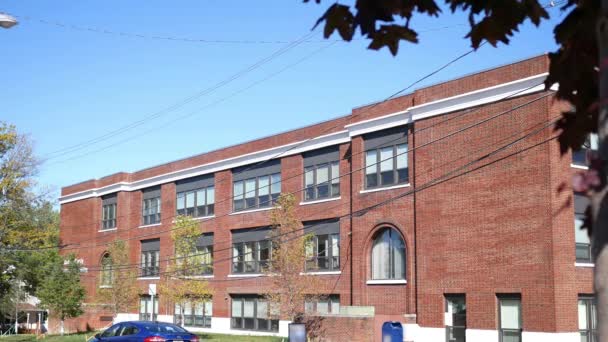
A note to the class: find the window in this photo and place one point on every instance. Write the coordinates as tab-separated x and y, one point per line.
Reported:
146	313
455	318
106	270
108	212
257	186
112	331
129	329
257	192
509	318
251	250
150	258
204	249
581	236
323	249
587	318
194	314
388	255
253	313
322	173
151	206
325	305
251	257
386	158
581	156
195	196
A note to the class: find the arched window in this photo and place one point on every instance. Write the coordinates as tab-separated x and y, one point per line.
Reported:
106	270
388	255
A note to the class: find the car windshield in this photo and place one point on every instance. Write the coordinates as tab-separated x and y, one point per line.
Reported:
165	328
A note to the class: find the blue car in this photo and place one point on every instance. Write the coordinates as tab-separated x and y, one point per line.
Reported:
145	331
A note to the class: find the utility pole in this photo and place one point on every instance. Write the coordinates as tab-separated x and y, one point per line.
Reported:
599	201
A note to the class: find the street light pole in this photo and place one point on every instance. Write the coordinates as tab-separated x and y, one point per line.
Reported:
7	21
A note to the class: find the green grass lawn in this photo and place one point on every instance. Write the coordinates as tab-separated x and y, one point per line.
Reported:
81	338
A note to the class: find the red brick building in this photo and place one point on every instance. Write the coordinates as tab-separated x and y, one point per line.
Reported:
439	209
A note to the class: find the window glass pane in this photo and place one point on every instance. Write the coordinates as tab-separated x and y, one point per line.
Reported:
250	188
262	310
308	176
398	251
580	235
309	307
210	195
236	307
370	162
322	173
323	306
335	245
248	307
264	186
208	308
275	179
335	179
238	190
371	178
201	198
189	199
386	159
380	256
309	182
509	313
335	305
401	156
582	315
198	309
187	309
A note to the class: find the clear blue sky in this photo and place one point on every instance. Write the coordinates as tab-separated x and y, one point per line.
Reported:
63	86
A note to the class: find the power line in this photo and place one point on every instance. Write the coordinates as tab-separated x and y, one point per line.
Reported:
179	104
448	176
345	174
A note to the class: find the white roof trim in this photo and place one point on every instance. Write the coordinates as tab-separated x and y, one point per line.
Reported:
402	117
224	164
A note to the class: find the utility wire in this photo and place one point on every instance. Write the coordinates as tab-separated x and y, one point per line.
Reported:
446	177
71	247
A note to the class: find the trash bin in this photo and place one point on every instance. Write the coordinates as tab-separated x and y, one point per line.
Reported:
392	332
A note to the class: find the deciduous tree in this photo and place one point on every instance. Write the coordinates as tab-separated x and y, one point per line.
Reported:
289	286
182	284
118	289
61	292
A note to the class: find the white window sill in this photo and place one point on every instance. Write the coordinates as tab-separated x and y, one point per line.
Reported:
200	218
387	282
250	211
582	167
385	188
107	230
105	286
150	225
246	275
584	264
321	273
148	278
322	200
199	277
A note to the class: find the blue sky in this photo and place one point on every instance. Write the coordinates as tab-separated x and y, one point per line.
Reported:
64	86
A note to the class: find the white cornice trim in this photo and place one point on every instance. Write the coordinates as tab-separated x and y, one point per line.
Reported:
402	117
479	97
224	164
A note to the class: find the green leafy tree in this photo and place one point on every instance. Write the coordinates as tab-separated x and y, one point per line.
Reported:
118	288
182	285
61	292
289	287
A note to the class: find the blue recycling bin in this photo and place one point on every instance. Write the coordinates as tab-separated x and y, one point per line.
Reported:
392	332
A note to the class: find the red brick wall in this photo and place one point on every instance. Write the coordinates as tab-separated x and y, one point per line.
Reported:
500	228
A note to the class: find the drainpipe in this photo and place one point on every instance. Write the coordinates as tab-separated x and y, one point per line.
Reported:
415	245
350	233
